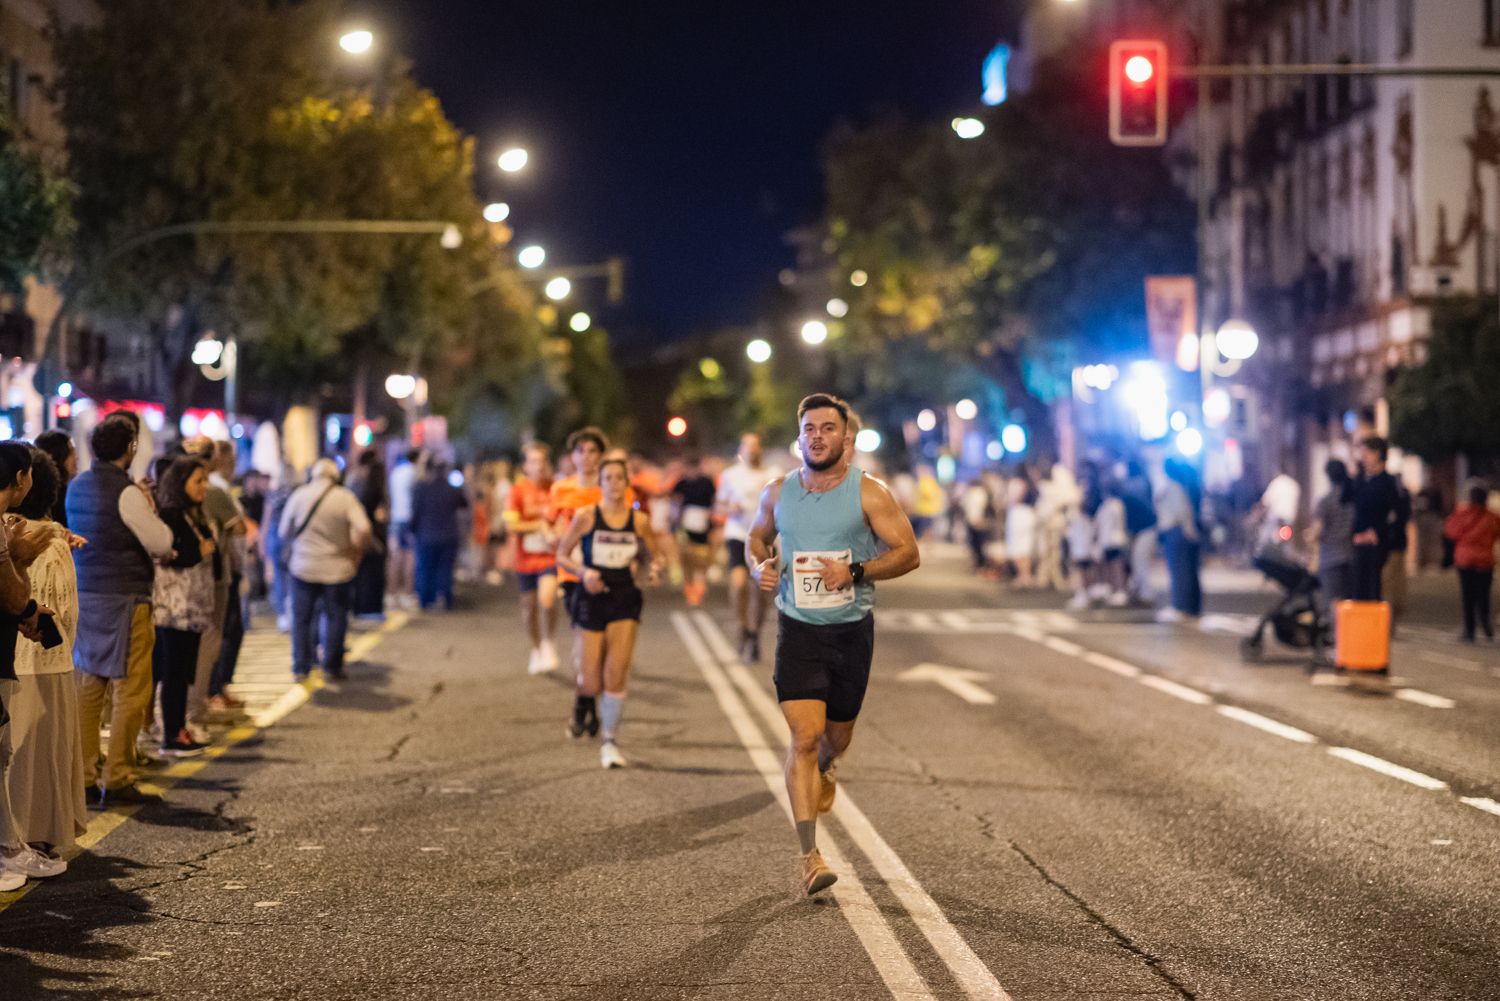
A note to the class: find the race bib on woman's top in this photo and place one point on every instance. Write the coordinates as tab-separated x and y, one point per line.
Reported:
808	589
695	519
535	543
614	550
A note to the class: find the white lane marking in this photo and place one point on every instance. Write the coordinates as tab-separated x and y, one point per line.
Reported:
1235	625
1065	647
1385	767
1028	633
869	924
921	621
953	620
1481	803
1112	664
1267	724
972	976
957	680
1175	690
1422	698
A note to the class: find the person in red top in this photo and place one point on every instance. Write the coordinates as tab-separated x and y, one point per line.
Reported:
1474	528
526	516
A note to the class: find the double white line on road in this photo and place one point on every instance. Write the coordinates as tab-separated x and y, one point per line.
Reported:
733	687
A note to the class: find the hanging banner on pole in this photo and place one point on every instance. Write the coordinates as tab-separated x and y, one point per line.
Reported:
1172	319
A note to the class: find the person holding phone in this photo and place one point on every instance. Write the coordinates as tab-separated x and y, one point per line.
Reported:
183	595
45	776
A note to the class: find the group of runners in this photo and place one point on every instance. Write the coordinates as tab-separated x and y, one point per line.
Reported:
815	539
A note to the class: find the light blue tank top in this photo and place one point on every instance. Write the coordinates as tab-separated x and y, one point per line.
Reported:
829	524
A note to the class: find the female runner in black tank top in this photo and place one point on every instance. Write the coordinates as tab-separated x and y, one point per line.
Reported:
614	541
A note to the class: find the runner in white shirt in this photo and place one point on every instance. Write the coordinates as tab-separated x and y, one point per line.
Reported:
740	487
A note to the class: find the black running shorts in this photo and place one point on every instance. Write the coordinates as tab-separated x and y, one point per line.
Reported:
735	549
592	612
828	663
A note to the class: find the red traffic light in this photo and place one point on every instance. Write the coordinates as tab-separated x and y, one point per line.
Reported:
1138	92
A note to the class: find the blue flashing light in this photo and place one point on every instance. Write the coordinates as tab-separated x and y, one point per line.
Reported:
996	66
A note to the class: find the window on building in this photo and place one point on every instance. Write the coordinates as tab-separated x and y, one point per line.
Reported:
1398	267
1492	22
1405	26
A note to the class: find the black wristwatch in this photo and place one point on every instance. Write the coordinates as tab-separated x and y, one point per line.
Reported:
857	571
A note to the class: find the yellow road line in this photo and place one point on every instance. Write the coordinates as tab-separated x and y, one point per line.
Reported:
105	822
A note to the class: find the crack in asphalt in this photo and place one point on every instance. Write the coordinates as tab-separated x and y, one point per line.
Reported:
396	747
1153	963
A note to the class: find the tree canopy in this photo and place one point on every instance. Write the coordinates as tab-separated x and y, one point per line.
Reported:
1011	255
1448	405
227	111
34	207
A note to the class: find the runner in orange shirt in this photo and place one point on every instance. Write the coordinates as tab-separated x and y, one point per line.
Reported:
587	446
526	515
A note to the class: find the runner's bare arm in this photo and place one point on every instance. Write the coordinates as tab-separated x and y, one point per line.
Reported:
891	526
582	523
642	525
758	552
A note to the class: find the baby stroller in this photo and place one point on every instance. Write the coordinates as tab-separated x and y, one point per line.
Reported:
1300	619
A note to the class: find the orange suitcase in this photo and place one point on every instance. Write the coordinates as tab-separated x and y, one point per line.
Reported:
1362	636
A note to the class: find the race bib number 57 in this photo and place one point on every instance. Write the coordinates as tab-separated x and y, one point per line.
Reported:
808	588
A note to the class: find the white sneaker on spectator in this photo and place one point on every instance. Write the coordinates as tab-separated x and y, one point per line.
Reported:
1118	599
610	756
11	881
1079	600
1169	614
534	663
30	862
283	623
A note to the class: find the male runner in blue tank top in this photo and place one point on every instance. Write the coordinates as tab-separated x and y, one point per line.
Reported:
831	519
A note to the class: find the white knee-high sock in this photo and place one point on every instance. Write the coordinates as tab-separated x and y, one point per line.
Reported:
611	706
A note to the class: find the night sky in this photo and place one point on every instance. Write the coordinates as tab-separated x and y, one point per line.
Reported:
684	137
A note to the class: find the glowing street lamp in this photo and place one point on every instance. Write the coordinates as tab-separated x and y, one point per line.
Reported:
580	322
837	308
968	128
357	42
400	386
966	410
1237	340
677	427
496	212
758	351
531	257
815	332
513	160
867	440
858	278
208	351
1013	438
558	288
926	420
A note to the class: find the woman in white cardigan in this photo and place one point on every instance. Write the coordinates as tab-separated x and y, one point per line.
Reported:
45	777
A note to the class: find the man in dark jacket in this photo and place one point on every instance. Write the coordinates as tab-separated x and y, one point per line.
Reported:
1377	499
115	631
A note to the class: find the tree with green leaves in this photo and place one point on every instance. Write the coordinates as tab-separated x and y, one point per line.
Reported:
226	111
34	208
1448	405
1011	255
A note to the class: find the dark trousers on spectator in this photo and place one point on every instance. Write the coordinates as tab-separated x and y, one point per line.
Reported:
1474	587
1369	562
234	636
174	661
435	572
977	539
314	605
1182	569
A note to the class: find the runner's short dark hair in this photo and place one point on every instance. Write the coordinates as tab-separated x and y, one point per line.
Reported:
817	401
624	468
1377	445
111	438
589	433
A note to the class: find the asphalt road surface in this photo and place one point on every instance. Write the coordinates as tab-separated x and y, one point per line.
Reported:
1037	804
